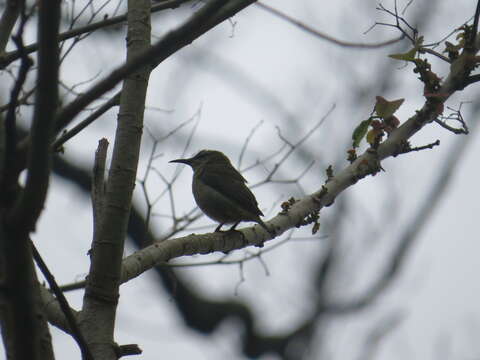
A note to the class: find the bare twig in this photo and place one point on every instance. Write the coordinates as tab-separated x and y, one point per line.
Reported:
10	119
323	36
23	100
72	321
247	141
292	147
456	115
423	147
73	286
398	20
202	21
7	21
14	55
434	53
241	279
58	144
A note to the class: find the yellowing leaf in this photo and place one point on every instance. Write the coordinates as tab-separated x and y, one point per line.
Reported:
385	108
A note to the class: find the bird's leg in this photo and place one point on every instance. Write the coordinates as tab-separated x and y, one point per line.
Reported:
234	226
219	227
229	230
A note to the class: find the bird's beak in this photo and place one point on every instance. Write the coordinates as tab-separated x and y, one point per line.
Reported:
182	161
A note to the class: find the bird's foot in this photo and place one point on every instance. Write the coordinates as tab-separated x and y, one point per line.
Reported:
231	232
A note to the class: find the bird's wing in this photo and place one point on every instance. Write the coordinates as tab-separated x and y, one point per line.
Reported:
225	180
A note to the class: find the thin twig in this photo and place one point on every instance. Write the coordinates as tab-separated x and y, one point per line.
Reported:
57	145
293	147
62	300
247	141
323	36
10	119
14	55
424	147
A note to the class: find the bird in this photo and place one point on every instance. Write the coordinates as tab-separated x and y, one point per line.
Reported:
220	191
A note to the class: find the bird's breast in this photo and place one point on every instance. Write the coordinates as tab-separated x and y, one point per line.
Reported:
216	205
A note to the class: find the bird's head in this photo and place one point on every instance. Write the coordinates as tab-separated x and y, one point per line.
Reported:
205	158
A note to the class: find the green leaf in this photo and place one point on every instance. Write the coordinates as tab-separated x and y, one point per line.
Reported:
409	55
360	131
385	108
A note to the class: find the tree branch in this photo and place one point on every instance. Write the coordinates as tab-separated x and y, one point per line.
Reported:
366	164
58	144
8	58
28	326
323	36
69	315
28	208
112	210
8	20
407	239
8	156
203	20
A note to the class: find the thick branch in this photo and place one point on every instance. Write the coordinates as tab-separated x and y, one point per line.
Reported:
21	281
30	204
366	164
112	212
8	20
407	239
204	20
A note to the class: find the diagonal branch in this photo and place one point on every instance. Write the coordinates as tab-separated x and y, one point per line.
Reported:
407	239
58	144
8	58
366	164
324	36
7	21
62	301
203	20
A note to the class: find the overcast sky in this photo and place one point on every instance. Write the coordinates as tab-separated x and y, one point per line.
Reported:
265	70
